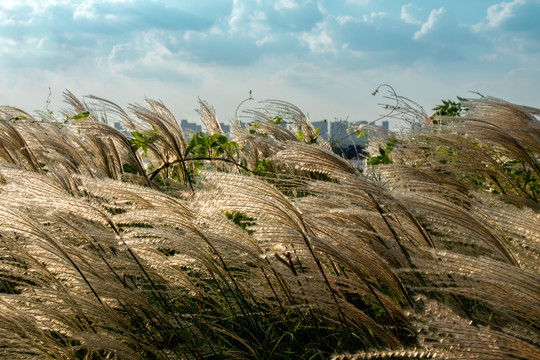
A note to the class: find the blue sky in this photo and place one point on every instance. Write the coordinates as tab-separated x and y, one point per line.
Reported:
325	56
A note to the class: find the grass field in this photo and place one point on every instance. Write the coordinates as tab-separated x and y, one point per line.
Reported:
266	244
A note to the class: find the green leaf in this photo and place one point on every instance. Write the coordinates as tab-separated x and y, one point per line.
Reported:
360	134
278	120
81	115
190	147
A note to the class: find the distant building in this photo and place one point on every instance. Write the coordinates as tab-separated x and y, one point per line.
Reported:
344	140
323	129
118	126
342	133
226	129
189	128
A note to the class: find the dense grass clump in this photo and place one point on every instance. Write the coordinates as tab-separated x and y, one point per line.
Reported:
266	244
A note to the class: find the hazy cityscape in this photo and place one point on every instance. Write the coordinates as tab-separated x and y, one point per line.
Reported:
339	133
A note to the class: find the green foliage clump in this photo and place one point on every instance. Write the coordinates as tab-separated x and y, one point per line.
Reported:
448	108
211	146
141	140
384	154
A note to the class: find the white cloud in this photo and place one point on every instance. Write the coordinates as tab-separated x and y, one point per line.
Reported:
359	2
35	42
497	14
434	16
410	13
264	40
34	4
489	58
5	19
371	17
248	20
148	56
319	41
285	5
237	13
258	27
10	4
85	10
341	20
42	5
7	44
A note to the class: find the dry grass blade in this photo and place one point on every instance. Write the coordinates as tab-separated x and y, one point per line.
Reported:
301	157
209	118
518	121
14	147
508	290
107	108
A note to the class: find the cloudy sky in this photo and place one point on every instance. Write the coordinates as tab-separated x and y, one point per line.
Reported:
325	56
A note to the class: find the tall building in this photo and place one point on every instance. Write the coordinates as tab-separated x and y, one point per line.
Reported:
189	128
323	129
226	128
342	133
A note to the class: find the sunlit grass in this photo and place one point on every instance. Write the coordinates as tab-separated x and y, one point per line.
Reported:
266	244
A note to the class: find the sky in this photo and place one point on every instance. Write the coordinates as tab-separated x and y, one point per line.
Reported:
324	56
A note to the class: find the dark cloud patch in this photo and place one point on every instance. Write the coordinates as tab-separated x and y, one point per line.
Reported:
387	39
381	35
444	39
228	50
226	53
512	28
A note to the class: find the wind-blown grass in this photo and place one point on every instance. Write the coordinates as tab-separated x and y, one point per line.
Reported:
271	247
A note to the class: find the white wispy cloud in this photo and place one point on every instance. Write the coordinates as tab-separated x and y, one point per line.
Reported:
497	14
359	2
431	22
285	5
345	19
85	9
319	40
410	13
370	18
373	16
238	12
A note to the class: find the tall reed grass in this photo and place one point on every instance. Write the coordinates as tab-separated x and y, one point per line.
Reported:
268	247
